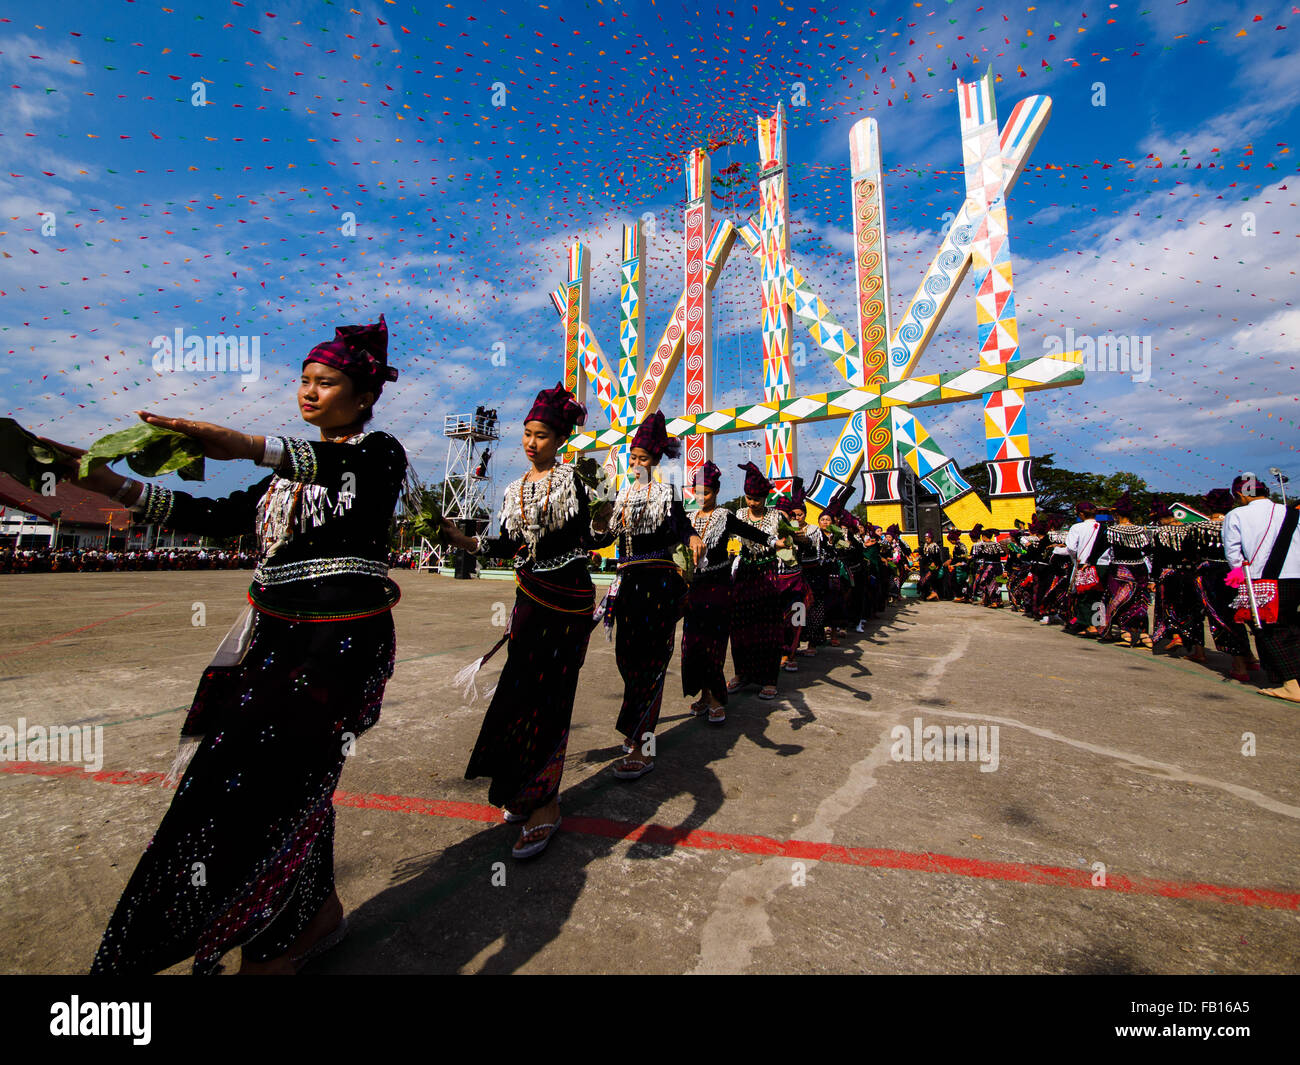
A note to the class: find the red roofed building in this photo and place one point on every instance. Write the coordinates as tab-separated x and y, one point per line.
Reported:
83	519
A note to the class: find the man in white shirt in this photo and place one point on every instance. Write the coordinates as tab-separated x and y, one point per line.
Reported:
1080	541
1250	535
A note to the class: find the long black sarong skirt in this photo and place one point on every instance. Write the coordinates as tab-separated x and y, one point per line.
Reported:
651	598
244	856
705	628
756	624
525	732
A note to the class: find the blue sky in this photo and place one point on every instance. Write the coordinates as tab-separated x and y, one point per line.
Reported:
1131	218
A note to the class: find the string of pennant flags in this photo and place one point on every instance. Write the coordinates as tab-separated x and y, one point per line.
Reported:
389	116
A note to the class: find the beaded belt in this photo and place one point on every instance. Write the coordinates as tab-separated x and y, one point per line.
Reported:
663	555
319	567
546	565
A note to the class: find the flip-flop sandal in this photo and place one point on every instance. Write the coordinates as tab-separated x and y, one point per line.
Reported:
1145	641
633	774
512	819
768	692
791	667
1270	695
530	850
734	685
321	945
697	710
717	715
807	652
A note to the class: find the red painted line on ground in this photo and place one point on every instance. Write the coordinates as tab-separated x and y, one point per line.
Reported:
73	632
799	850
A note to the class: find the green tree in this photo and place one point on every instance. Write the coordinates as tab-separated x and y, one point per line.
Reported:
419	513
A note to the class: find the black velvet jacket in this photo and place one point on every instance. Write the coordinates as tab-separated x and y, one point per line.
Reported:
322	525
721	526
660	541
563	536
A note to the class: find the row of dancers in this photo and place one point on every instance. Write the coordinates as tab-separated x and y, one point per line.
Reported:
789	589
1157	584
302	673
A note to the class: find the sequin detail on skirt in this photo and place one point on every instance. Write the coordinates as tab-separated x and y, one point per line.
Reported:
245	853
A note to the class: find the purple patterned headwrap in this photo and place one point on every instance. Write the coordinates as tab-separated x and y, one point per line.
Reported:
756	485
361	352
652	437
557	408
708	476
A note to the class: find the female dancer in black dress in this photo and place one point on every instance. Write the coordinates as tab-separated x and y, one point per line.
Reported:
547	532
244	856
707	623
794	590
1178	618
649	592
756	624
1230	635
930	571
1128	589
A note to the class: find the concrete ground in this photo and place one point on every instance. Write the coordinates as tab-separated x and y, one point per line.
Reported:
1123	829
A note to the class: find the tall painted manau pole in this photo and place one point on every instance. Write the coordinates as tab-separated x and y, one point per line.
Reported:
867	436
571	302
774	251
631	333
878	405
699	332
584	362
916	328
1006	424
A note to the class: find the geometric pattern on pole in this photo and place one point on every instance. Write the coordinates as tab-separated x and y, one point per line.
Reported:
1006	428
774	250
699	347
953	386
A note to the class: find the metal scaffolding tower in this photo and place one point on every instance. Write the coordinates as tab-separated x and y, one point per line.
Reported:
467	486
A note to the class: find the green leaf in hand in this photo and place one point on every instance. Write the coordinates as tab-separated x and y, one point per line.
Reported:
684	559
149	450
28	459
594	478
